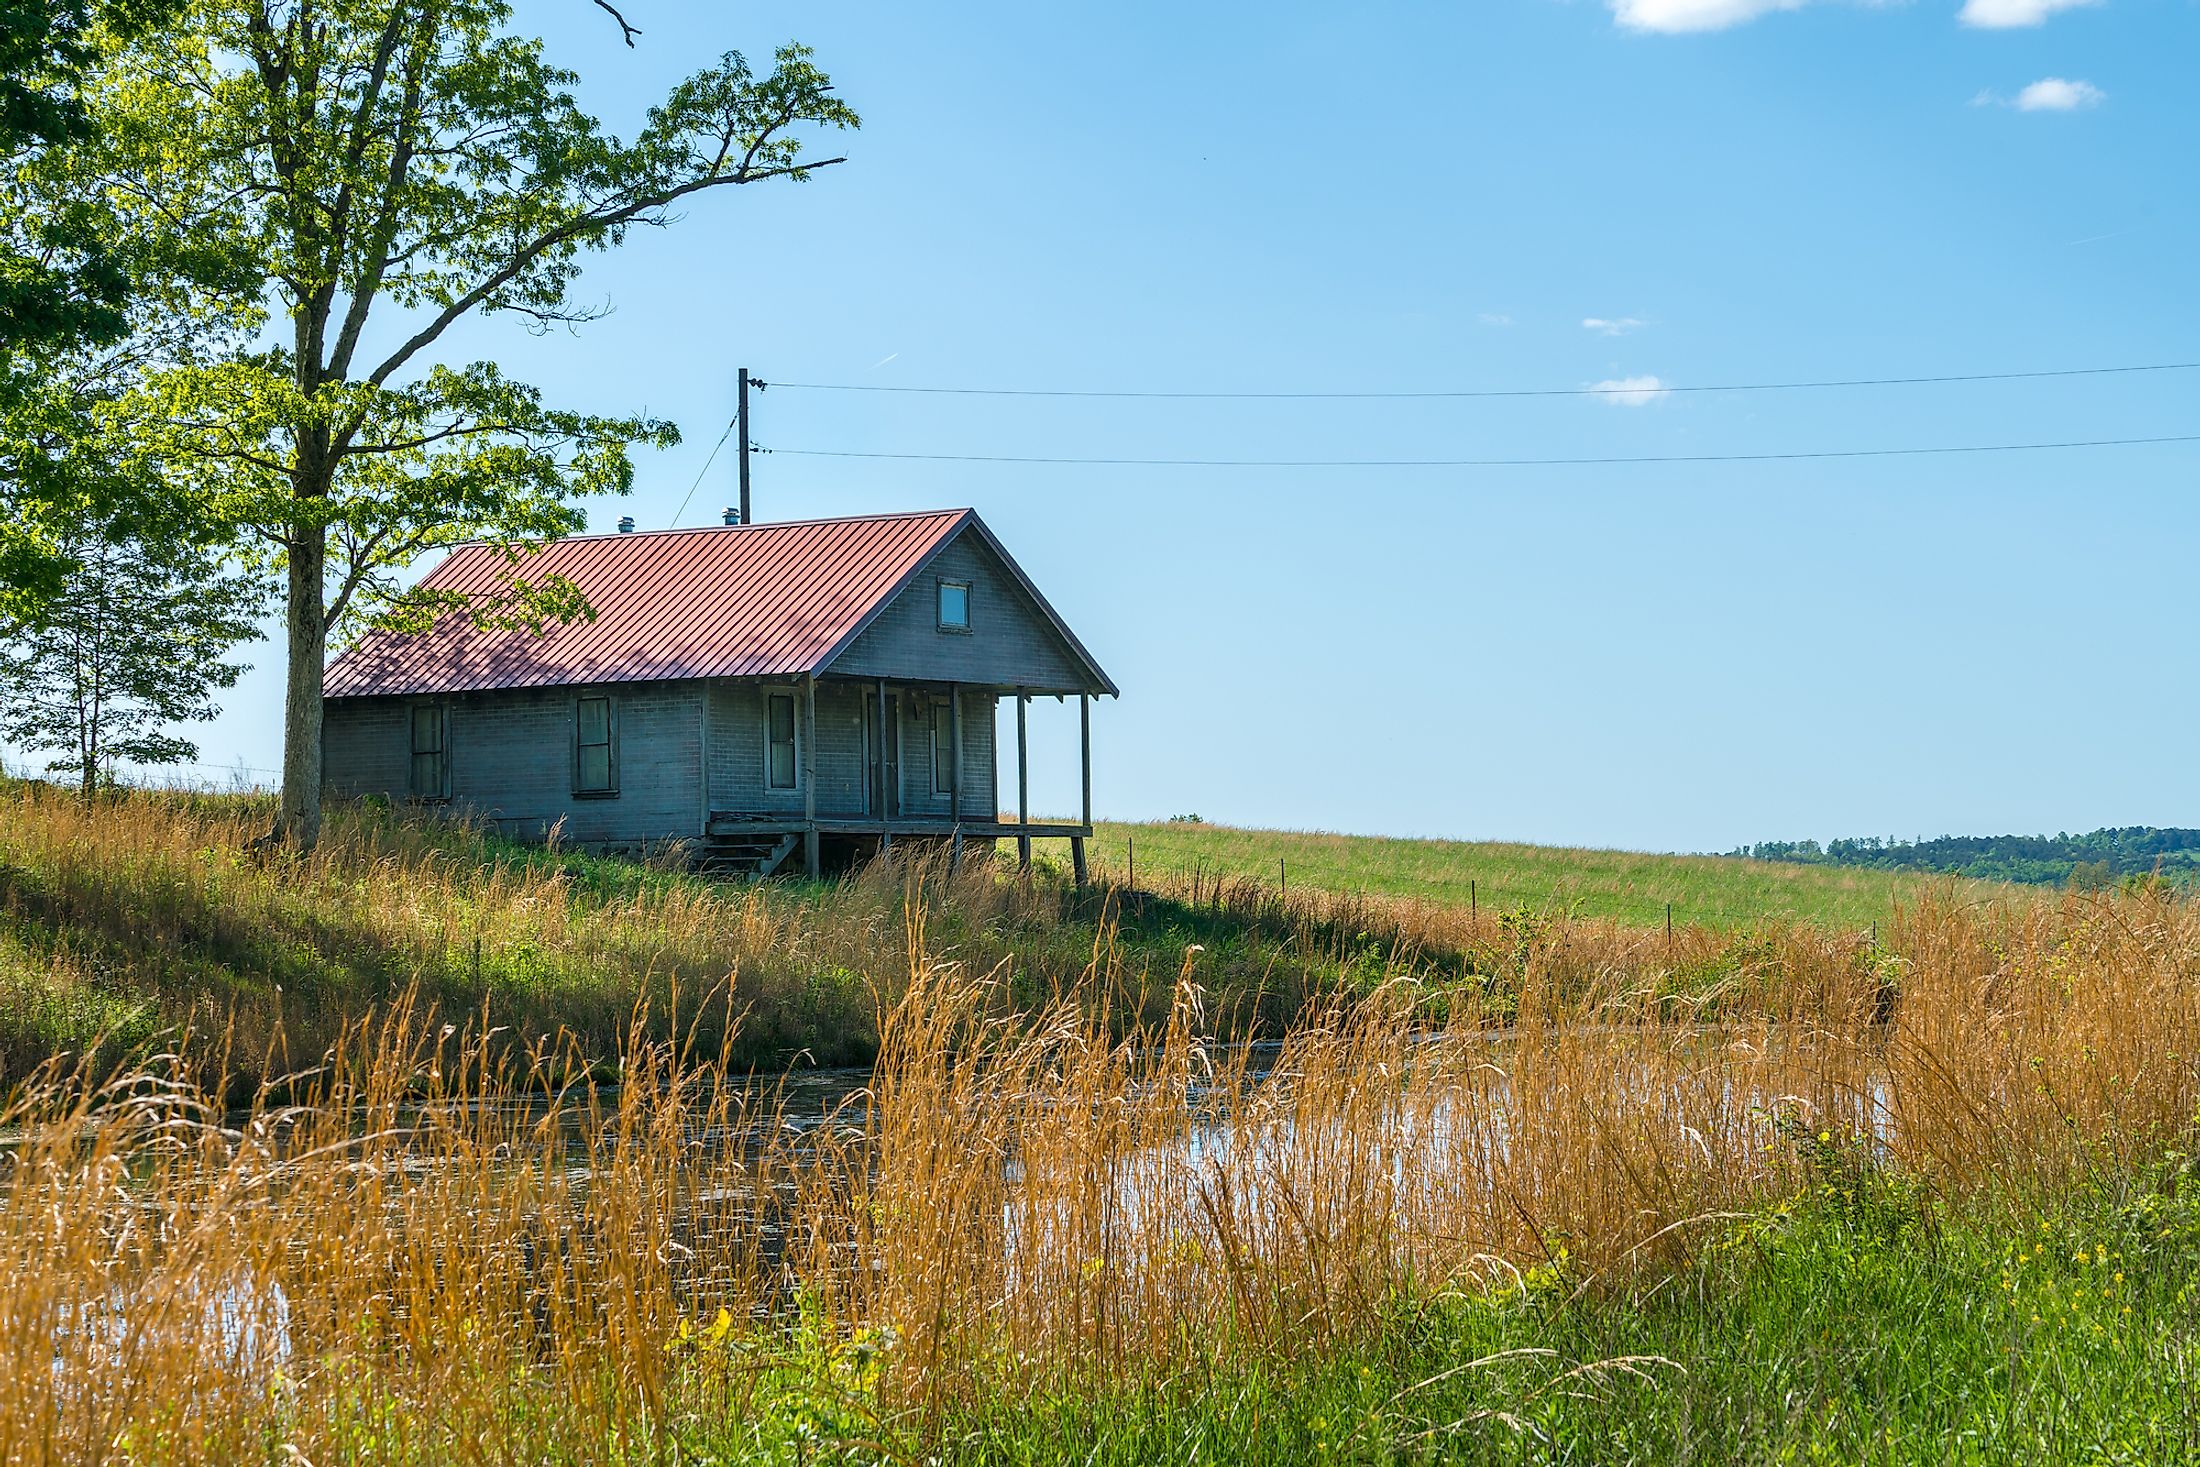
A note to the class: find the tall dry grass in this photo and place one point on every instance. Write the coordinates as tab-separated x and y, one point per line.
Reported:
462	1251
130	921
146	913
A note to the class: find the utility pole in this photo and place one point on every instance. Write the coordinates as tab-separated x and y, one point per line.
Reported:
741	426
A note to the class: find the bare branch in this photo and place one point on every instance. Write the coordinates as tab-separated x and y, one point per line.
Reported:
587	224
630	31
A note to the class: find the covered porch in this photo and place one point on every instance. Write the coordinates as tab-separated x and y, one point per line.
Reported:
901	769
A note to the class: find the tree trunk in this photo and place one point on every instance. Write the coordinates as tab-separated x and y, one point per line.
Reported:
299	821
87	737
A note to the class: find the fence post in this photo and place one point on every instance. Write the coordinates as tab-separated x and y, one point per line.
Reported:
1283	881
1130	844
1669	924
1474	904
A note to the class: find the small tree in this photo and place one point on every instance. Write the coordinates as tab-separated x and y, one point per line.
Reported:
131	645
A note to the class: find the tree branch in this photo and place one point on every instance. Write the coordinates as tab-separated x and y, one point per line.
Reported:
587	224
630	31
364	292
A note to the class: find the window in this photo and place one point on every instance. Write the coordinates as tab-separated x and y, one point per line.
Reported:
431	767
780	763
943	749
954	606
595	747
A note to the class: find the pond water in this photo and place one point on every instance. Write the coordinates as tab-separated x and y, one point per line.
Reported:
1149	1195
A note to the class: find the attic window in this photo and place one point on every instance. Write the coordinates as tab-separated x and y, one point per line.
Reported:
954	606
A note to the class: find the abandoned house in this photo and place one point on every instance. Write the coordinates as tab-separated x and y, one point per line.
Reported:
823	687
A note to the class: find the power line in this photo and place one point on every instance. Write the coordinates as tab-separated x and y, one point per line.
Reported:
1615	390
1486	463
721	443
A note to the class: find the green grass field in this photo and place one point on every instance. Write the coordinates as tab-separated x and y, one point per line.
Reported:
1627	886
1836	1330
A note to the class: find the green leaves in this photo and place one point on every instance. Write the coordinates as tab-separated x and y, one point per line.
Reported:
391	166
460	454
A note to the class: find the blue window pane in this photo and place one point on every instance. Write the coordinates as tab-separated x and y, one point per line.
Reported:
954	605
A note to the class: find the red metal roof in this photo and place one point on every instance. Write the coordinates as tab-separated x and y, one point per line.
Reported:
767	600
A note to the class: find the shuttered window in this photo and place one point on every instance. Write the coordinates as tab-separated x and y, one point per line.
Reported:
943	749
431	767
780	764
595	747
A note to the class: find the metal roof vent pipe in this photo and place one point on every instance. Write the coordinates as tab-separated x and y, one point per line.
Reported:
626	524
730	515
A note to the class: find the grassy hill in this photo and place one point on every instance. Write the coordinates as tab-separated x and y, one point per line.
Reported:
1624	886
143	915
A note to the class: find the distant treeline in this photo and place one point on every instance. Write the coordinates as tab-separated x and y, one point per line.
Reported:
2097	858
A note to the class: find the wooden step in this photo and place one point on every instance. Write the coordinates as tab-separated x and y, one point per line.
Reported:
754	857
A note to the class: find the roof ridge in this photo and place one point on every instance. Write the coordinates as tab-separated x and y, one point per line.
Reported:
828	519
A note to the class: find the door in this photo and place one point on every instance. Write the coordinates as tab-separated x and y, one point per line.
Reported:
882	755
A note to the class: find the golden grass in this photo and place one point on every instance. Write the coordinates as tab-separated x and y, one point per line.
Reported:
143	915
460	1252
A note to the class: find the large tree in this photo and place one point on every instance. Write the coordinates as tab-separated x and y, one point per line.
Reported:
397	166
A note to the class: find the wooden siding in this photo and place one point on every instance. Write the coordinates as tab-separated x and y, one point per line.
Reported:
366	746
511	759
1009	645
737	780
511	756
737	783
981	798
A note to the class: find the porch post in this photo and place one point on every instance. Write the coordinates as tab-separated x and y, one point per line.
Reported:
1023	786
702	741
955	736
883	776
1084	769
809	775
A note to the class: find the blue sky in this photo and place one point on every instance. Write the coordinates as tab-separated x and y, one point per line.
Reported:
1509	194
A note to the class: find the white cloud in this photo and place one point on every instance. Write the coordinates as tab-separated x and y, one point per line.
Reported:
1615	326
2002	15
1494	318
2053	94
1676	17
1631	391
1680	17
